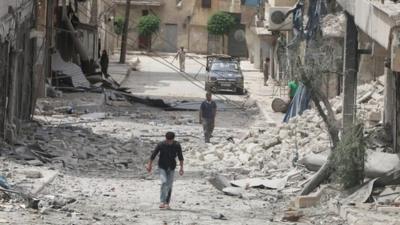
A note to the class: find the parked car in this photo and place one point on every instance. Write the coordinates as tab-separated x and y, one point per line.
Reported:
224	74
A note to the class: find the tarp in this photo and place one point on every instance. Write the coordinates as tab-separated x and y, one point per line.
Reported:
299	103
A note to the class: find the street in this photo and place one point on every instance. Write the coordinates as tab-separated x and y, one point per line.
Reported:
197	112
107	192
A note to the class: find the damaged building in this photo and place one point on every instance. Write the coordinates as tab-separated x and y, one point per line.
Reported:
22	63
48	43
374	54
80	31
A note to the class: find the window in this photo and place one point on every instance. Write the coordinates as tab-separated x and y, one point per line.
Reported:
225	66
145	12
206	3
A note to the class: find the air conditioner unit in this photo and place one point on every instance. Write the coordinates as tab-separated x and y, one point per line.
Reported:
277	21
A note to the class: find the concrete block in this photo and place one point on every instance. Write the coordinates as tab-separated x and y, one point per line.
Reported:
33	174
374	116
292	215
306	201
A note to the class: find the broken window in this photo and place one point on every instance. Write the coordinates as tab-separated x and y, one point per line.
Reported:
206	3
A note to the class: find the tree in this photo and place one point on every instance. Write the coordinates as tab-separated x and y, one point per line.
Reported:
346	159
118	26
220	24
148	25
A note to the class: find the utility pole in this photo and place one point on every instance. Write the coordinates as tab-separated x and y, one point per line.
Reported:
49	38
124	40
350	74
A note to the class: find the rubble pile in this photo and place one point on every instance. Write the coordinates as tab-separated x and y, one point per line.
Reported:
71	147
370	102
333	25
279	147
264	150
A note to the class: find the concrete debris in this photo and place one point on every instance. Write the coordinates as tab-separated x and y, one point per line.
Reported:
134	64
333	25
219	216
373	166
94	116
309	200
261	183
32	174
292	215
233	191
389	195
220	182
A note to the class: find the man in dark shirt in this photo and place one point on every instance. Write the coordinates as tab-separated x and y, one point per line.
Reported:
104	63
208	111
169	150
266	70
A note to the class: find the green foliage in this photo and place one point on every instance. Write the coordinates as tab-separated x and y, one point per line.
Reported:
119	25
148	25
220	23
349	157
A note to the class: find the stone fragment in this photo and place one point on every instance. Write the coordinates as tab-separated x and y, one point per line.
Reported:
306	201
374	116
219	216
219	182
233	191
32	174
292	215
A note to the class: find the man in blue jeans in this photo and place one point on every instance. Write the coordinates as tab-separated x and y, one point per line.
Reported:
169	150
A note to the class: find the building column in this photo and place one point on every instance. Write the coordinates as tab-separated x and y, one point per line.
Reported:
388	116
395	67
350	74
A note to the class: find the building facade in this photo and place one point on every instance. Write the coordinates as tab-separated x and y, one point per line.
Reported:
21	63
184	24
377	22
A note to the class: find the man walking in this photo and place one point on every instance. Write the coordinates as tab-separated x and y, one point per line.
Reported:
208	111
168	150
181	55
266	71
104	63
